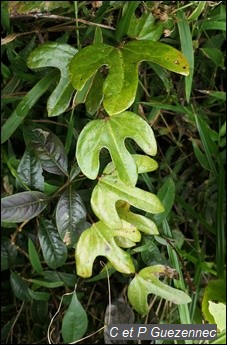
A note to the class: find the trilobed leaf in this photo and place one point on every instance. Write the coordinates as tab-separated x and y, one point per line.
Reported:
30	171
143	164
100	240
54	250
70	214
48	148
111	134
55	55
110	189
147	282
120	85
23	206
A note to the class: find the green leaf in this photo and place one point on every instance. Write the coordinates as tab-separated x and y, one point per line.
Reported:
75	322
39	295
34	257
20	288
187	49
147	282
218	310
166	195
55	55
120	85
30	171
23	206
54	250
110	189
8	253
201	157
50	285
99	240
23	108
145	28
215	55
124	22
214	291
57	276
48	148
111	134
70	213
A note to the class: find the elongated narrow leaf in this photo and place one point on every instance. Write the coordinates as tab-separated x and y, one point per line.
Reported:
23	108
34	257
70	214
55	55
48	148
39	295
147	282
99	240
20	288
30	171
120	85
166	194
54	250
22	206
110	189
75	322
111	133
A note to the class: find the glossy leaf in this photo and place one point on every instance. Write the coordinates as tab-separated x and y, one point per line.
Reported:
75	322
147	282
120	85
54	250
99	240
70	213
48	148
19	287
30	171
34	257
111	134
23	206
110	189
55	55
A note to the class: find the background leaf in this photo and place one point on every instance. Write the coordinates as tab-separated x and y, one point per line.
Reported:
34	257
48	148
20	288
54	250
55	55
22	206
30	171
70	214
118	312
75	322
